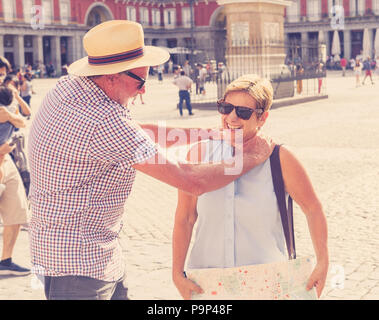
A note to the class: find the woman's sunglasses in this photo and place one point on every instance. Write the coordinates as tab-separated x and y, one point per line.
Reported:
242	112
134	76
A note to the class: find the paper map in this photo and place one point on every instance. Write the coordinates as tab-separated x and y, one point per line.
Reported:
274	281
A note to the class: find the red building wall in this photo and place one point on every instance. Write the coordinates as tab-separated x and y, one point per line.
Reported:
368	5
346	7
303	8
19	11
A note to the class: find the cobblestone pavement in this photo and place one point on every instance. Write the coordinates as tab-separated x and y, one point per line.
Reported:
336	140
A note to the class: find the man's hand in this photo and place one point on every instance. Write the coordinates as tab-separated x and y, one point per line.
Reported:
4	115
257	149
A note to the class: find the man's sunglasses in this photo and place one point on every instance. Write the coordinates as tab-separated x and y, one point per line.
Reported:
134	76
242	112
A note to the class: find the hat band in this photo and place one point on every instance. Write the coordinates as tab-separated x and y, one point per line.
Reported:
115	58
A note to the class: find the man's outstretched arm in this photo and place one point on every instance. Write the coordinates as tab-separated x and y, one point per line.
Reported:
200	178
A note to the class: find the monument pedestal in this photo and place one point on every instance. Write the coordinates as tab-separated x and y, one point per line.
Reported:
255	36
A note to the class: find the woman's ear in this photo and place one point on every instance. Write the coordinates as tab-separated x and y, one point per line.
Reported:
263	117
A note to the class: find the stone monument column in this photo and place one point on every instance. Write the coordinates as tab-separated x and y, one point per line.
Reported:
255	36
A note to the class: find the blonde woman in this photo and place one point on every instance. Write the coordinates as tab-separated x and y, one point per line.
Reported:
240	224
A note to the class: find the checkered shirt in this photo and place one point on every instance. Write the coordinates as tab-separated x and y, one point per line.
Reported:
82	146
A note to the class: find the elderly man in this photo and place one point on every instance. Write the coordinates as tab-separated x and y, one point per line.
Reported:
84	150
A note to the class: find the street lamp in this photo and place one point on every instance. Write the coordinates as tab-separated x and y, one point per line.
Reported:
192	29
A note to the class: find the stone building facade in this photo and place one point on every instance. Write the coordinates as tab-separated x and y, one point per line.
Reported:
36	31
310	21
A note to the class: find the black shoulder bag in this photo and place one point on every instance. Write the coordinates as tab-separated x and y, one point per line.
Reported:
286	213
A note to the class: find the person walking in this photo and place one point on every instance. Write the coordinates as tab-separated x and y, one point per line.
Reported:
135	97
343	63
184	83
299	82
27	88
367	68
160	69
78	197
357	72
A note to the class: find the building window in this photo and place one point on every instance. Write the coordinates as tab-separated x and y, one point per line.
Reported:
186	17
357	8
27	8
131	13
47	11
170	18
8	41
9	10
144	16
65	12
293	12
313	10
375	6
156	16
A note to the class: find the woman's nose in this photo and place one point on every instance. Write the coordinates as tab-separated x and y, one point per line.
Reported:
233	116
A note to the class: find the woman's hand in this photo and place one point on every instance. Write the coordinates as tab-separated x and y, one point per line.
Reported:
318	277
5	148
186	287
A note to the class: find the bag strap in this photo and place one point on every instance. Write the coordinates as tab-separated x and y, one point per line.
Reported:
286	214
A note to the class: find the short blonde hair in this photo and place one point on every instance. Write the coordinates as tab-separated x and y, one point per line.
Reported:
260	89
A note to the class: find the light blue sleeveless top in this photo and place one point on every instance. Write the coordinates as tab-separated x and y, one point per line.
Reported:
239	224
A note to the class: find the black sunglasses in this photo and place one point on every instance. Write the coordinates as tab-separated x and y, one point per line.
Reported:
134	76
242	112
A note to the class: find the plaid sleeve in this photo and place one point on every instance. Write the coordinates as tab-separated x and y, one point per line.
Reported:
118	138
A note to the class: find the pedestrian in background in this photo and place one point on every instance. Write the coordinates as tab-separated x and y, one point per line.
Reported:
299	82
160	69
343	63
367	68
27	88
184	83
357	72
135	97
187	69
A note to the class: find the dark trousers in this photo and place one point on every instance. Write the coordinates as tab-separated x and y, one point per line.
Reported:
84	288
27	99
184	96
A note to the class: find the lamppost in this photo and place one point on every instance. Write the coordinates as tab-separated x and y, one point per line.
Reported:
192	30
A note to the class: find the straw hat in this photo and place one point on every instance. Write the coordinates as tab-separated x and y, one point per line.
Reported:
115	46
